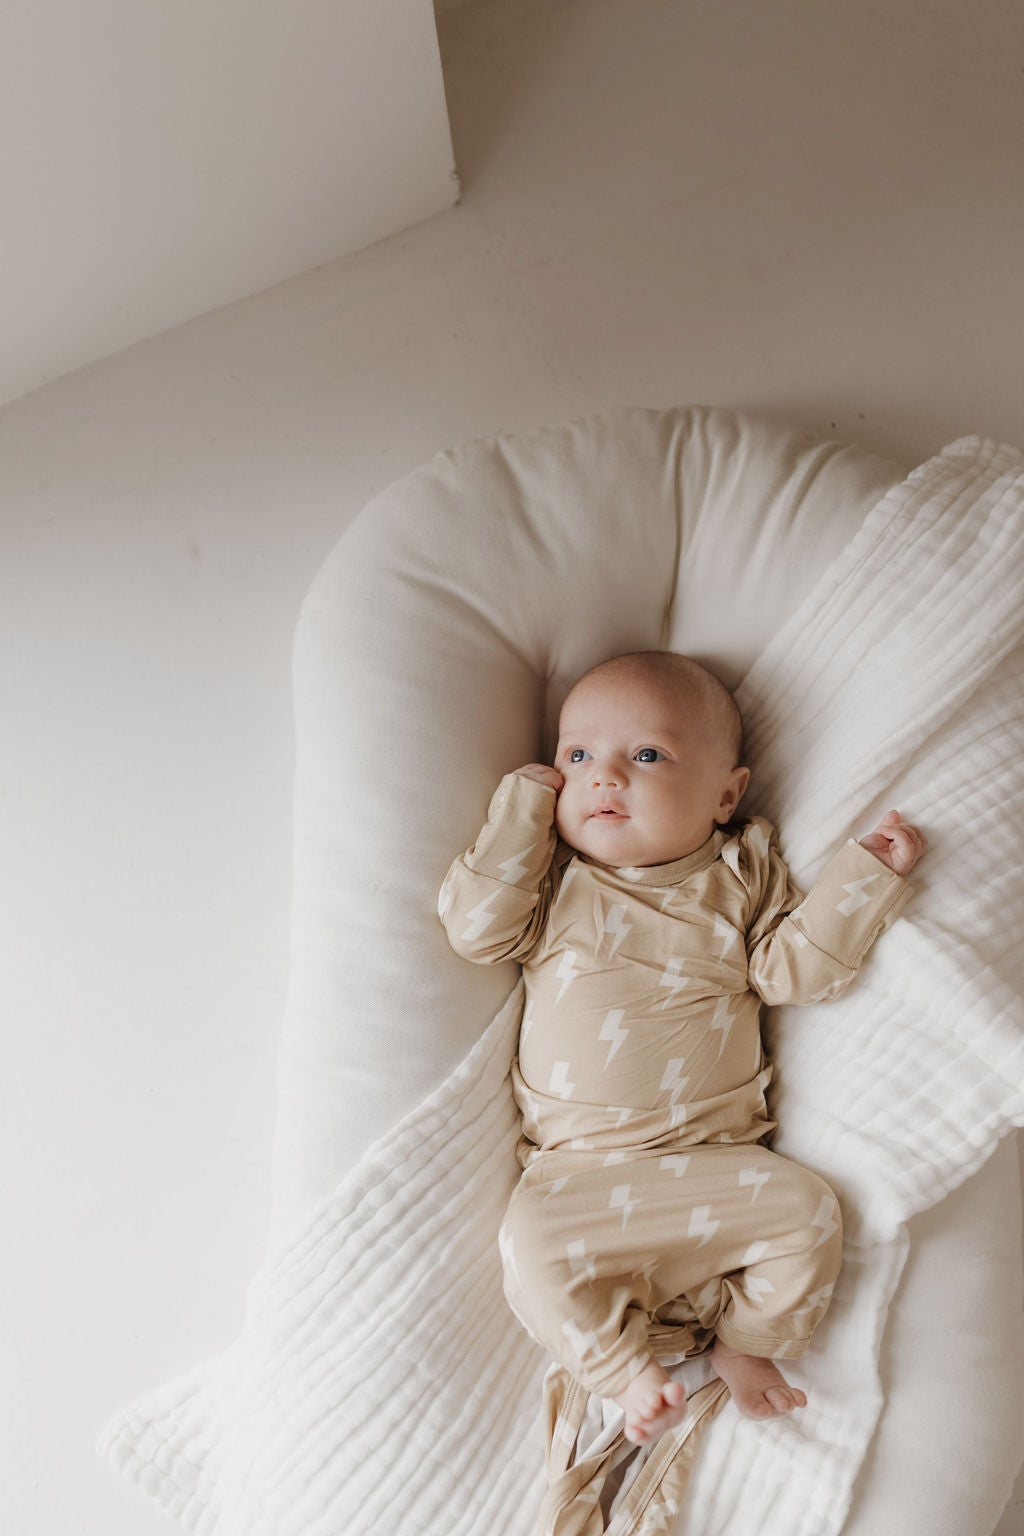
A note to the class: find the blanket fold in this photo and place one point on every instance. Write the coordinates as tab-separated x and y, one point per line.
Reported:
901	674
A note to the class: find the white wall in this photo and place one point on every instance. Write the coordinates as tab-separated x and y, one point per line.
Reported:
161	158
806	209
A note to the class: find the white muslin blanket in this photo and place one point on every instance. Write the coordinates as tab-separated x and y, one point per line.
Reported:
380	1383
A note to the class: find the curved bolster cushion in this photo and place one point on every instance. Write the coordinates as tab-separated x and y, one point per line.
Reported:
871	623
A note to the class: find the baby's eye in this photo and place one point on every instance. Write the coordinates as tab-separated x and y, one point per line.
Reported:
578	754
649	755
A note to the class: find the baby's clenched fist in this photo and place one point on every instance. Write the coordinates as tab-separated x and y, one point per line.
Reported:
896	843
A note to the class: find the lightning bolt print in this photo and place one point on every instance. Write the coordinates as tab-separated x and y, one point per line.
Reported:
560	1083
615	925
556	1186
506	1247
673	1079
832	990
825	1218
583	1344
752	1176
579	1263
620	1201
480	918
722	1021
817	1301
611	1033
677	1161
856	895
726	935
566	973
701	1225
514	868
755	1288
674	980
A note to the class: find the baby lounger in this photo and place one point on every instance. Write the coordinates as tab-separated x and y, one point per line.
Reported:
871	622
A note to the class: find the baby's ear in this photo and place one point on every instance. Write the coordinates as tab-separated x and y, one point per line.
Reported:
739	778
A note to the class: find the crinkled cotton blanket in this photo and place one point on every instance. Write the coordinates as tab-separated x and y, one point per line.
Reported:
380	1383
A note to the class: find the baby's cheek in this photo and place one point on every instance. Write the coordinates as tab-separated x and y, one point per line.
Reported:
563	811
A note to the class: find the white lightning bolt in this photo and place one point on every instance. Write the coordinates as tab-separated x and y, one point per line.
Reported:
567	880
832	990
480	918
527	1024
514	868
816	1300
566	972
620	1201
615	1157
644	1273
755	1288
754	1177
825	1218
623	1114
708	1298
677	1161
660	1519
701	1226
673	980
672	1078
759	839
611	1032
856	897
556	1187
726	935
444	897
560	1080
582	1343
614	924
722	1020
579	1264
506	1247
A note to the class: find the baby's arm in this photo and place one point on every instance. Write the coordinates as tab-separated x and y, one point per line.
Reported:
806	950
495	898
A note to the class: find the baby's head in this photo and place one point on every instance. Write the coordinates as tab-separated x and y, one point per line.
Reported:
649	745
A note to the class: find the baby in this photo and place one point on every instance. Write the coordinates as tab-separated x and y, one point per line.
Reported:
650	928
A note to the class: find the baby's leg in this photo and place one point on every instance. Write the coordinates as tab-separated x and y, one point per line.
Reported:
789	1248
577	1259
780	1257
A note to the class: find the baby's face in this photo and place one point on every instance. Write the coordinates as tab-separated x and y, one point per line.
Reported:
645	781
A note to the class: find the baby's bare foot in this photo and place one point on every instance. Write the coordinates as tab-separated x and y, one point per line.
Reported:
653	1403
758	1387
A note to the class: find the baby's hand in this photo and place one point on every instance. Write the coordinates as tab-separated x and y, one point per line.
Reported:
896	843
543	775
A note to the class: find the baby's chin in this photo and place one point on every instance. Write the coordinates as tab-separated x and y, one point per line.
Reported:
619	845
612	843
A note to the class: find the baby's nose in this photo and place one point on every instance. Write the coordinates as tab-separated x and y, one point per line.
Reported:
608	776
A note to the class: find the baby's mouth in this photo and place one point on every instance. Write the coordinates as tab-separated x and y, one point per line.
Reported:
608	813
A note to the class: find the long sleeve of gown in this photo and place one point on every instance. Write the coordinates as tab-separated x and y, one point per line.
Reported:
805	950
495	897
